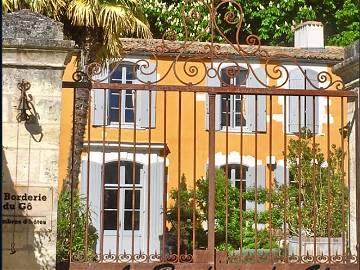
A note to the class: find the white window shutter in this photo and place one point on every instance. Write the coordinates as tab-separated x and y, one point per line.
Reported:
296	81
207	112
213	82
218	112
250	100
95	190
280	177
99	107
310	102
250	183
143	97
261	179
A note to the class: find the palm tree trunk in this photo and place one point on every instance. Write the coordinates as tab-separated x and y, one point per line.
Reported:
81	110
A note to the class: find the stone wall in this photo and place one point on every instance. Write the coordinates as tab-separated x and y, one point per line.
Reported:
34	51
348	70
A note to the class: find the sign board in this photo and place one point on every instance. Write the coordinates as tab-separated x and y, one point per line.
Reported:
24	206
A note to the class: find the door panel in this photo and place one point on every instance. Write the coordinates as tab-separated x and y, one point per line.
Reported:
121	214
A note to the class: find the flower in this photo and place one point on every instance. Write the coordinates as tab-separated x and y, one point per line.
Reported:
324	164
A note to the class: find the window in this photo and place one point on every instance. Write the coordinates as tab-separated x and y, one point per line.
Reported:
125	107
237	177
111	189
123	74
234	110
308	106
111	196
232	106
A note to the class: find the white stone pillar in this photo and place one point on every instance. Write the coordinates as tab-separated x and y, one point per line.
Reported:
349	72
34	51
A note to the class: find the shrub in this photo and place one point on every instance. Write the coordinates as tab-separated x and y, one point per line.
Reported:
316	188
233	225
79	219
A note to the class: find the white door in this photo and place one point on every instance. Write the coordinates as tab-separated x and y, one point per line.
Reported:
111	204
123	208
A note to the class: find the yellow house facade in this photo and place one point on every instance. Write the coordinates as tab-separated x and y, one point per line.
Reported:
166	133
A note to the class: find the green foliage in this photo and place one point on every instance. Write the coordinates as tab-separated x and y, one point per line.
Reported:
347	24
183	204
80	219
272	21
233	225
317	187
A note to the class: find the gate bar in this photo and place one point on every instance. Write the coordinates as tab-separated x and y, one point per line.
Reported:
213	90
211	194
357	172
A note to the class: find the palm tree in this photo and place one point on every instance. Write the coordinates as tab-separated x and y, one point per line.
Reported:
97	27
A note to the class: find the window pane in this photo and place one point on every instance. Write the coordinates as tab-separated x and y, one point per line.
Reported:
129	115
110	218
114	99
129	173
225	119
116	76
237	184
128	199
111	173
110	199
240	79
129	100
225	78
114	115
130	75
236	168
237	105
244	171
237	120
128	220
223	105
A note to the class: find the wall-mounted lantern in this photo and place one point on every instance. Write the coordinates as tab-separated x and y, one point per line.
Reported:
24	102
271	161
344	131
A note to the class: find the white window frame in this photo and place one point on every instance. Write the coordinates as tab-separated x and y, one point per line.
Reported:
123	80
234	180
302	100
96	188
122	187
232	100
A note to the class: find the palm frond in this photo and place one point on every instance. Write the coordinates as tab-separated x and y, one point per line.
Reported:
123	20
142	29
83	12
115	19
50	8
9	5
108	20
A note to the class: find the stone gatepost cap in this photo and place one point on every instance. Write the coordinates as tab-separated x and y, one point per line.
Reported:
25	27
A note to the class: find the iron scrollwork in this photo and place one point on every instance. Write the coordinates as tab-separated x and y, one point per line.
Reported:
24	106
191	69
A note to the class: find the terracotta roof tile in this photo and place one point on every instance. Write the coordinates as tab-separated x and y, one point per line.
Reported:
329	53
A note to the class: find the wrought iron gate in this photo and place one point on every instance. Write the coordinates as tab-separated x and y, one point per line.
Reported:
272	203
213	161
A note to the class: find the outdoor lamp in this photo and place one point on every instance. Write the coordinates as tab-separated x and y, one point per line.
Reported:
23	106
271	161
344	131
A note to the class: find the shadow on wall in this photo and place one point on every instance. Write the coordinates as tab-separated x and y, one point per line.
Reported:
22	246
32	125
